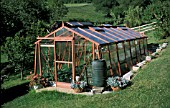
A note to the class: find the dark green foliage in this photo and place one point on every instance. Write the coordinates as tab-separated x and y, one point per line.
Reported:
160	11
48	76
57	9
133	16
117	82
21	22
20	15
20	52
105	6
123	5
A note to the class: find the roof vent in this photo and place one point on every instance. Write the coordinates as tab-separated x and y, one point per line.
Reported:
99	30
123	27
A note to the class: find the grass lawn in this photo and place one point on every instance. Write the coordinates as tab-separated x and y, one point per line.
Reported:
13	81
150	88
84	12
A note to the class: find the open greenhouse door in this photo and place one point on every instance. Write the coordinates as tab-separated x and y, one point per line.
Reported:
44	58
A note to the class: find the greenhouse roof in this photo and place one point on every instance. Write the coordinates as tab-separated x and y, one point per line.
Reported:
103	34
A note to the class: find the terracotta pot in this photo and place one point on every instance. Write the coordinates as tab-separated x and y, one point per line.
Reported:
78	90
115	88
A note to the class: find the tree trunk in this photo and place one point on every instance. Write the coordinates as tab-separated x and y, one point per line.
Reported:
21	73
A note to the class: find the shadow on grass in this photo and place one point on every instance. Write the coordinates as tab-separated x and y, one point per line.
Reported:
13	92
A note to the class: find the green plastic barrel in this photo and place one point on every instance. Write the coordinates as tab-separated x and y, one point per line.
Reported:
99	73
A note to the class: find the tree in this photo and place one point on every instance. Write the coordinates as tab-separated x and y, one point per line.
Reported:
133	16
19	51
105	6
22	21
19	15
57	9
123	5
159	10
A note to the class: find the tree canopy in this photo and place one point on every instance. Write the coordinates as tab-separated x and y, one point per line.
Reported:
160	11
21	22
18	15
105	6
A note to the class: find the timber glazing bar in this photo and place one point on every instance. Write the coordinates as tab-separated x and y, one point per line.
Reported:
118	60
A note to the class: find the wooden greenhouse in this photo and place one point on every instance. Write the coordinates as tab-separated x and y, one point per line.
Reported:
68	51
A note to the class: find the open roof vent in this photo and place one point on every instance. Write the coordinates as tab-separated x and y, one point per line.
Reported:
123	27
99	30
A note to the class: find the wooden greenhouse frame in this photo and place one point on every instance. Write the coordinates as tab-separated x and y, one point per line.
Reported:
79	43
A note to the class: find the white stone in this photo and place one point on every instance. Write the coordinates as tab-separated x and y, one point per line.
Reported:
140	64
77	78
106	92
97	90
148	58
143	62
135	68
158	50
164	45
128	75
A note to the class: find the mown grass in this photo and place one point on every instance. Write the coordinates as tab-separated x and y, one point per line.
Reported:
84	12
150	88
13	81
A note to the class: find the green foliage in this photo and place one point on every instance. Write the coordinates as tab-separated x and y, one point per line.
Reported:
123	5
105	6
133	16
78	84
161	12
22	21
57	9
4	58
117	82
19	51
48	76
20	15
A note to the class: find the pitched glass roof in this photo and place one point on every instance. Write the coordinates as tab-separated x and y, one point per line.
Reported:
103	34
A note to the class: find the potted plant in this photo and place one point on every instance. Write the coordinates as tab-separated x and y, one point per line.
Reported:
117	83
35	81
78	86
48	79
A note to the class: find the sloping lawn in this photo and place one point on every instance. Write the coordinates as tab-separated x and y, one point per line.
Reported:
84	12
150	89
